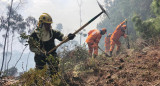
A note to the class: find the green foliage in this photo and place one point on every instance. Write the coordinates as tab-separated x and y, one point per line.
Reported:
77	62
155	6
74	62
23	37
53	60
73	57
80	53
147	29
40	78
119	10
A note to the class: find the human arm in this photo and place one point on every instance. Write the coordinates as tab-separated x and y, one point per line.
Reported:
120	25
33	42
58	35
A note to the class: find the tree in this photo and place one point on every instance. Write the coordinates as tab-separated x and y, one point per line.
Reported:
6	35
149	28
31	24
1	45
16	25
59	27
155	6
11	71
125	9
3	23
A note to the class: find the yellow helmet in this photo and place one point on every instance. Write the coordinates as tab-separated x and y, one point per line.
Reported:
45	18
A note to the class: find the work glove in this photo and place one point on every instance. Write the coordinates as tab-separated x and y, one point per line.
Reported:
125	20
71	36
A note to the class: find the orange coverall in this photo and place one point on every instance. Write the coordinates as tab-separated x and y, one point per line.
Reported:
92	40
107	42
120	31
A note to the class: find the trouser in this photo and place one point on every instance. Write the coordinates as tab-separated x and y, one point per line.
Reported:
107	47
112	44
91	48
52	63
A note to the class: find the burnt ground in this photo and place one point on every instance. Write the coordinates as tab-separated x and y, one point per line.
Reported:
129	68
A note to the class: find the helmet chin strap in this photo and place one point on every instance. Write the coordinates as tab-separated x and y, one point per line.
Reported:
40	25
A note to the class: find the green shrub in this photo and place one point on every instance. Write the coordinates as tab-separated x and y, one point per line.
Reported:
147	29
41	78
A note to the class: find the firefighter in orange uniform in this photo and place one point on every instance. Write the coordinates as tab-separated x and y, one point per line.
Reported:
107	42
120	31
93	39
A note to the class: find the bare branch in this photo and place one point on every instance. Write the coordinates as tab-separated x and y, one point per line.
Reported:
21	55
18	4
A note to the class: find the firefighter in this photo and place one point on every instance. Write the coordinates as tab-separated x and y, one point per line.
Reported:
120	31
107	42
45	36
93	39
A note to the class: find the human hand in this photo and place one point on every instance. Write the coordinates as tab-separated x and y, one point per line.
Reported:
71	36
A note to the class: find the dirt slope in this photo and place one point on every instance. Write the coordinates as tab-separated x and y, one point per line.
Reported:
130	68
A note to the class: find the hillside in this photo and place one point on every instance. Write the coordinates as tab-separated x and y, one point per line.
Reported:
130	68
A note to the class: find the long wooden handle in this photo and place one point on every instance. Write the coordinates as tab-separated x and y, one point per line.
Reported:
87	23
58	45
128	45
101	49
75	32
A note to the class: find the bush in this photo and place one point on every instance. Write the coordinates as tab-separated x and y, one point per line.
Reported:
72	58
147	29
41	78
155	6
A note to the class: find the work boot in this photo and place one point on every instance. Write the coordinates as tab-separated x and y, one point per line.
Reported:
117	52
110	53
94	56
107	55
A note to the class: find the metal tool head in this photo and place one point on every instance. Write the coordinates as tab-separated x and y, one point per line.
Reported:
103	9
